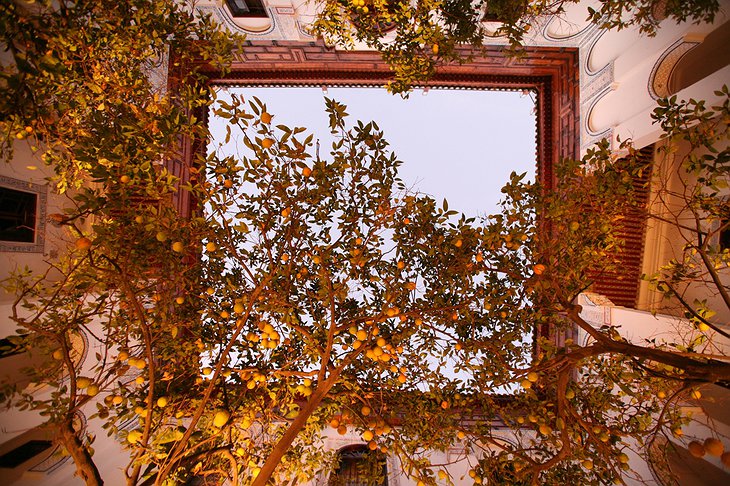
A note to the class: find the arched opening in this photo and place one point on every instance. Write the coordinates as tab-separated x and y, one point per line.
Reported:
705	59
357	465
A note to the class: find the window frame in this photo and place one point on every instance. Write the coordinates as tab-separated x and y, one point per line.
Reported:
41	193
256	9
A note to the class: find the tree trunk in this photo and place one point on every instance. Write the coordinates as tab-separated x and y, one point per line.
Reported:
85	467
291	433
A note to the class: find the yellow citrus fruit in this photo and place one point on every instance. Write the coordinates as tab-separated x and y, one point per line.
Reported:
134	436
368	435
221	418
162	402
124	179
306	171
211	246
267	142
178	246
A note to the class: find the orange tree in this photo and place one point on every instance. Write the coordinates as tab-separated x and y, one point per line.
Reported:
310	291
78	86
415	37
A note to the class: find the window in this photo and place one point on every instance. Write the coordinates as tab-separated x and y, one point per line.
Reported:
22	215
247	8
358	466
22	453
17	215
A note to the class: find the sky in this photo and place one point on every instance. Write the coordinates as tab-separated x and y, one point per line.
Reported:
455	144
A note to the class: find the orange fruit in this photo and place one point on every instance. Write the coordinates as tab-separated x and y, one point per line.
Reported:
266	117
696	449
267	142
539	269
83	243
306	171
714	447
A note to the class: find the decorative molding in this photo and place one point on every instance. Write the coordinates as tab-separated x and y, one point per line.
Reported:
658	83
571	37
41	192
587	45
223	16
304	29
593	90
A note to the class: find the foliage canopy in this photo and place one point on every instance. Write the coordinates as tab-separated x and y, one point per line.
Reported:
308	292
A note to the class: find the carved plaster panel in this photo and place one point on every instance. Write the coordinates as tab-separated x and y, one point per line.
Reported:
223	16
658	84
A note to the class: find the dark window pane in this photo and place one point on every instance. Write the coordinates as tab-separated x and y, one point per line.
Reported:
17	215
246	8
20	454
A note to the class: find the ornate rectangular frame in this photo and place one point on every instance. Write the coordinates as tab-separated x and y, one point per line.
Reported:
551	72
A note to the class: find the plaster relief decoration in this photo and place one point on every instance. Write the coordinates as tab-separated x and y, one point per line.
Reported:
596	87
16	190
223	16
662	70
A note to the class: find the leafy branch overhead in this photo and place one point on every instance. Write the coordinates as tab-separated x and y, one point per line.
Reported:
416	38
